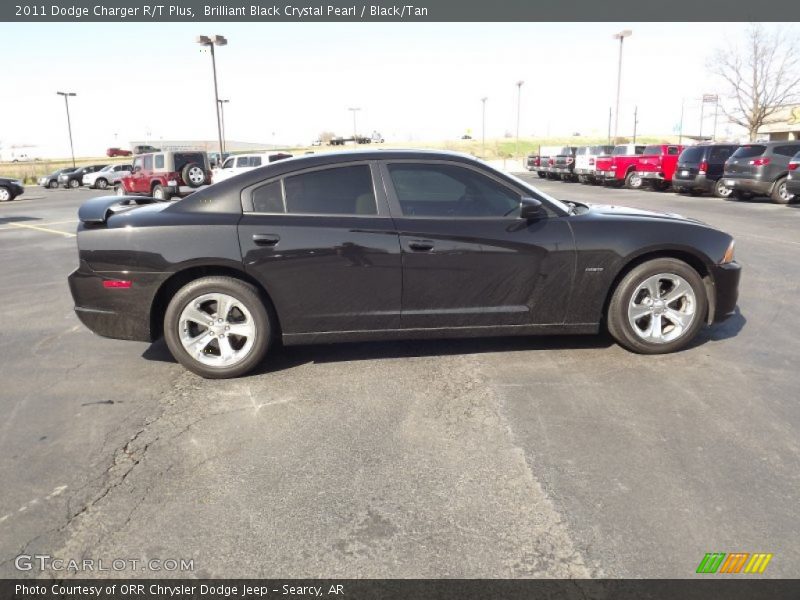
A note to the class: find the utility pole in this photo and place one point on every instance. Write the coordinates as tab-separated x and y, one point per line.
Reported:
609	125
519	103
483	127
69	123
635	121
680	127
222	104
210	42
355	131
621	37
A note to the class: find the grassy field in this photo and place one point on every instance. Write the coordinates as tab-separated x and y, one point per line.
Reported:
500	148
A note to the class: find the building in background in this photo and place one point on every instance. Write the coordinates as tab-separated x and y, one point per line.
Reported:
205	145
785	127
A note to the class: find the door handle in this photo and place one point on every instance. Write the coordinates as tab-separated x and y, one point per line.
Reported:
266	239
421	245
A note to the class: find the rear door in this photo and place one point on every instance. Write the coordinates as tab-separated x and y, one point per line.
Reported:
136	178
324	245
468	260
716	160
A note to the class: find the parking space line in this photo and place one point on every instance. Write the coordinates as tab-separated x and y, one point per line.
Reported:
44	229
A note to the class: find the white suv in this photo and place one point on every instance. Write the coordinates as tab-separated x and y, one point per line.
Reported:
107	176
240	163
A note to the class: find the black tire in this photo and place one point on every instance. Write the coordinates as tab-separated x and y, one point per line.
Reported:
101	183
5	194
618	322
193	175
119	190
541	174
720	190
780	195
160	193
73	183
52	184
633	181
242	292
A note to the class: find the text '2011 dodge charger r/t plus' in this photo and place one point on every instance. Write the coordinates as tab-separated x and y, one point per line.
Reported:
388	245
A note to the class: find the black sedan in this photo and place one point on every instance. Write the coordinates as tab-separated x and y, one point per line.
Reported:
389	245
74	179
51	180
10	189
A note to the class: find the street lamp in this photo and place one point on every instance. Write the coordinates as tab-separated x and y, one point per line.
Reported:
210	42
354	111
483	126
619	36
519	102
69	124
222	104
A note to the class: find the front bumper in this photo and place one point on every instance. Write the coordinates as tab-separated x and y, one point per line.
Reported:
755	186
119	313
726	290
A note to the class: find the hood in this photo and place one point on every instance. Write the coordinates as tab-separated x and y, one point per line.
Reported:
625	211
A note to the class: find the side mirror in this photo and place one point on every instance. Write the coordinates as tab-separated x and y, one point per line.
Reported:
531	209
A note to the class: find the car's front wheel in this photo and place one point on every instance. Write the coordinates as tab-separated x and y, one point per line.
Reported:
52	184
159	193
658	307
74	183
218	327
5	194
101	183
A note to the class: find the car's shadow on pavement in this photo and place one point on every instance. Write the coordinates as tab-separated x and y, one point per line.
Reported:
283	357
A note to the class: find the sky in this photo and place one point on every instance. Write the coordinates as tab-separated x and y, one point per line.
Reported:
287	82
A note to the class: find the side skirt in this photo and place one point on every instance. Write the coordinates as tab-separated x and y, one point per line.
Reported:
325	337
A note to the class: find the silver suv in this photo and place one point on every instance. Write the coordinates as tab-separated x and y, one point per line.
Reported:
761	169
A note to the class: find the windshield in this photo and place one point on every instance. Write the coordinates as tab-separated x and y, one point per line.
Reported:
107	168
749	151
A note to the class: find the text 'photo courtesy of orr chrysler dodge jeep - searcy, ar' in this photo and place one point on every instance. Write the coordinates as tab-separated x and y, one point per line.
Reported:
381	245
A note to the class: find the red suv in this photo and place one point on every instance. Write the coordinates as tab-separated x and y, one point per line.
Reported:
112	152
165	175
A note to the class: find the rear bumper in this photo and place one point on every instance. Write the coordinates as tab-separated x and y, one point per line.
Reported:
582	171
119	313
793	186
16	190
697	182
607	175
755	186
655	175
726	289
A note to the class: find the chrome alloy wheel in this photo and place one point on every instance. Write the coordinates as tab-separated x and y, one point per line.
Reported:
783	192
662	308
217	330
5	195
196	175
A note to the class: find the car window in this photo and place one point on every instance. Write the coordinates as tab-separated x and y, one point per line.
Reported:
228	164
184	158
436	190
336	191
672	151
721	153
242	161
148	162
159	161
652	150
268	198
255	161
691	155
138	162
749	151
788	150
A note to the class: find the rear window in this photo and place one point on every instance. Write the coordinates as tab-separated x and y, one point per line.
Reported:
602	149
691	155
749	151
184	158
720	153
652	149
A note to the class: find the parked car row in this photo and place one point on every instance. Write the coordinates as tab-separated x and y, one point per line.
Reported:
723	169
94	176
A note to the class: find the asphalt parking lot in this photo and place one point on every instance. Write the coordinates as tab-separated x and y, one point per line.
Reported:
517	457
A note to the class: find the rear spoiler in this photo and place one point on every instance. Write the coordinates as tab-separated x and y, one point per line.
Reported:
97	210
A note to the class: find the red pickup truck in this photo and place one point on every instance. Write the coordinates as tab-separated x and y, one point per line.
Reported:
656	166
620	166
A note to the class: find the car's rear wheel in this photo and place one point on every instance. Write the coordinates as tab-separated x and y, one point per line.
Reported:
159	193
52	184
101	183
633	181
218	327
120	191
74	183
5	194
721	190
658	307
781	195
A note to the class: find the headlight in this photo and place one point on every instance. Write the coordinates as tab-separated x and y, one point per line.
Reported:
729	253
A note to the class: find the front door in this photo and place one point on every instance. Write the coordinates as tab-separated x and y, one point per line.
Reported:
468	259
323	244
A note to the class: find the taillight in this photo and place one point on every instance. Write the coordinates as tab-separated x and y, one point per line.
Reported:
793	166
759	162
703	167
550	162
116	284
570	160
591	161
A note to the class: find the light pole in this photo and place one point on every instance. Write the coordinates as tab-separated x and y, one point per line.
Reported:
519	103
619	36
210	42
69	123
483	126
354	110
222	104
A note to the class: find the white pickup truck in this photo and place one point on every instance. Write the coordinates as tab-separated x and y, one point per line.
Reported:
586	160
